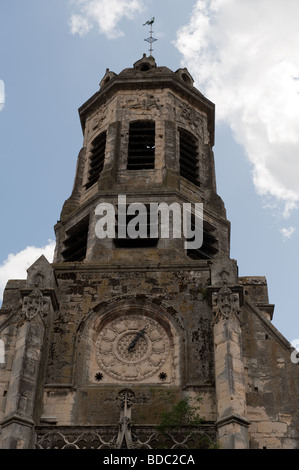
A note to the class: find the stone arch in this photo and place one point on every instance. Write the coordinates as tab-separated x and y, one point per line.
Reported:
185	76
145	64
165	331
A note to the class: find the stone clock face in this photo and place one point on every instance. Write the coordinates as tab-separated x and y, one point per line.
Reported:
132	348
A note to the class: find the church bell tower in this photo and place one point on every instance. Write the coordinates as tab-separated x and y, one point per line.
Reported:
99	340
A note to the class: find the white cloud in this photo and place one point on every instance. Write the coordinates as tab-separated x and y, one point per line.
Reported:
2	94
15	266
244	56
79	25
106	14
287	233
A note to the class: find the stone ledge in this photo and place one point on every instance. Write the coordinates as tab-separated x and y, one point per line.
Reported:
233	419
17	419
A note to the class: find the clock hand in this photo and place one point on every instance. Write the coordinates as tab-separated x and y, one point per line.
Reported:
136	339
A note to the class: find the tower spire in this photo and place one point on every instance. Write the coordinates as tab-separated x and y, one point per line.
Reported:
151	39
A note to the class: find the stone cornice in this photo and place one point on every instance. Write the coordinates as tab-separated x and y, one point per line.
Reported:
152	81
232	418
196	265
17	419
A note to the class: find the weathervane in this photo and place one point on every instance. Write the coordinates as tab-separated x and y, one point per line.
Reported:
151	40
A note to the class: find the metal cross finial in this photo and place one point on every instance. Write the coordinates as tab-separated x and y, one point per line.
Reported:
151	39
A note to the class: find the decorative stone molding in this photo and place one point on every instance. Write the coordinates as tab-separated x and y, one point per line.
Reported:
225	304
185	76
126	399
35	304
150	347
107	77
145	64
18	420
190	115
145	102
124	439
241	420
232	423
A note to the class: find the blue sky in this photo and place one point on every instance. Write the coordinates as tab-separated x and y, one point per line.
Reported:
243	55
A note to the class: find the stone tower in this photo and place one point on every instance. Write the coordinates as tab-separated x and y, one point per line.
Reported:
98	343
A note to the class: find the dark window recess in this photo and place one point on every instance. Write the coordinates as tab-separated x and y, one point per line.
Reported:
141	153
209	246
189	157
76	242
135	242
97	158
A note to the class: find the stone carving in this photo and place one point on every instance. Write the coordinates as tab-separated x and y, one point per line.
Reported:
34	304
126	398
124	439
225	303
132	348
39	279
145	102
190	115
99	118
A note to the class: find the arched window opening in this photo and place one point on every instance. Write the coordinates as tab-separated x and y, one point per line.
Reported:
141	153
97	158
189	157
209	246
76	242
127	242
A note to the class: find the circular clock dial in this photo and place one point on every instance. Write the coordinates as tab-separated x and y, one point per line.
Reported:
135	353
132	348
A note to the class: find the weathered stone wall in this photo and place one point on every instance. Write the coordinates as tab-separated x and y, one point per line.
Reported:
72	396
209	333
9	319
172	105
272	385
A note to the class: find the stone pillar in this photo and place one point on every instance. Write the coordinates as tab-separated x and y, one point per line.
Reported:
19	418
231	423
23	398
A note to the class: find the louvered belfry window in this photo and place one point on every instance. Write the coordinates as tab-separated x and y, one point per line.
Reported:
135	242
97	158
209	246
141	154
75	244
189	157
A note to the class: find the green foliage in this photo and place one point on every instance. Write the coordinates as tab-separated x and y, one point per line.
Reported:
184	415
181	414
204	294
